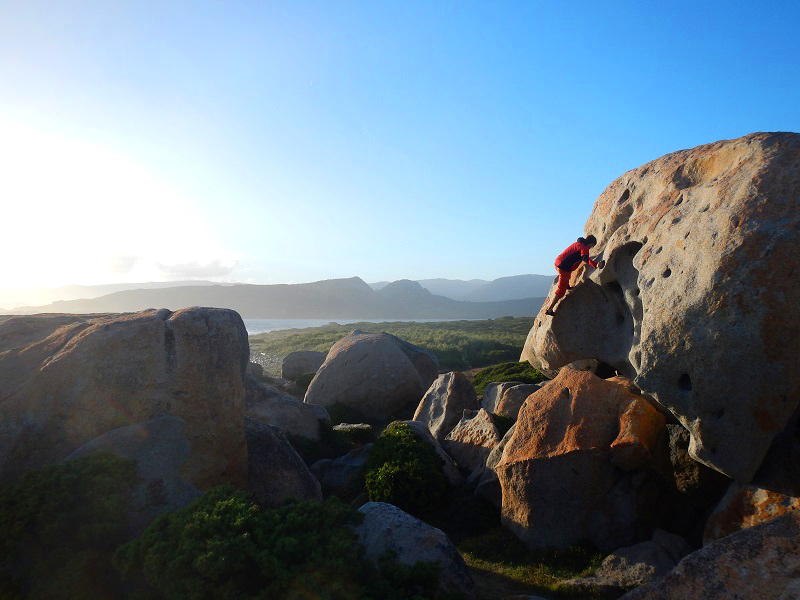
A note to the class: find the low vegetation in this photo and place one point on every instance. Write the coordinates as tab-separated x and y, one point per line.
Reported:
509	371
226	546
458	345
405	471
59	526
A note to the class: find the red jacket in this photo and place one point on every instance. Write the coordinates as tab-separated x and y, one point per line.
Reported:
571	258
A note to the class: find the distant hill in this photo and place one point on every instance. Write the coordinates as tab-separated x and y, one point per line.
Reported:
479	290
12	298
336	298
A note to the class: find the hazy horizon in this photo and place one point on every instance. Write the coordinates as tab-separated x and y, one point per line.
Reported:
299	141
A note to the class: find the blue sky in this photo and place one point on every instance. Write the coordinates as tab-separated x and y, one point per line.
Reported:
274	142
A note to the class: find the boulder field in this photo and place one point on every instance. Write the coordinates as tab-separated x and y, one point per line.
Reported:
699	302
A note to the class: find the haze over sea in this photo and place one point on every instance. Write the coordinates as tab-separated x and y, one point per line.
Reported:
256	326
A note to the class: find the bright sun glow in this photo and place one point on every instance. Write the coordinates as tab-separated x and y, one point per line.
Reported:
78	212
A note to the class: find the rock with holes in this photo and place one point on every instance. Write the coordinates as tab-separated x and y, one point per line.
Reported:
444	403
760	562
66	379
372	374
699	294
569	472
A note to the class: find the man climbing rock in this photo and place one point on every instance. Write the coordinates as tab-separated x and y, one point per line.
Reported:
570	260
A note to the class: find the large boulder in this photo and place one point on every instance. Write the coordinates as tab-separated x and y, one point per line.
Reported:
386	528
300	363
158	447
373	374
445	401
571	470
471	441
698	295
275	471
759	562
268	405
68	379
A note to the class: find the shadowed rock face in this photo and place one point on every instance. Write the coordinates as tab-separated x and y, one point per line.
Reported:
699	303
66	379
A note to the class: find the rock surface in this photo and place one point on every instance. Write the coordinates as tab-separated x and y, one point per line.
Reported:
512	398
386	528
559	482
300	363
699	288
68	379
275	471
374	374
471	441
444	403
159	447
636	565
342	477
760	562
493	392
268	405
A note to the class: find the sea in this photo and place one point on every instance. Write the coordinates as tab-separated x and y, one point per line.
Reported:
256	326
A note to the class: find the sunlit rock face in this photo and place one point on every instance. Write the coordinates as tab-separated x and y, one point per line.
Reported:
67	379
699	303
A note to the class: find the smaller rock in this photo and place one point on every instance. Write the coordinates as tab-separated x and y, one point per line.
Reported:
760	562
159	447
445	401
493	392
488	484
267	405
342	477
471	441
300	363
746	505
275	472
386	528
255	369
636	565
512	399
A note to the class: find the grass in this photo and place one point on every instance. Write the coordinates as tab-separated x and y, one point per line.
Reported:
509	371
503	566
458	345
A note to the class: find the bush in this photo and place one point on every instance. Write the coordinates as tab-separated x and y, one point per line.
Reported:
225	546
60	524
510	371
405	471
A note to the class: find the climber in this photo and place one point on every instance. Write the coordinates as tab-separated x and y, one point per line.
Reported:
570	260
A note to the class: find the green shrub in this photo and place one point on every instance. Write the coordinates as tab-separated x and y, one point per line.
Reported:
225	546
59	526
502	423
405	471
510	371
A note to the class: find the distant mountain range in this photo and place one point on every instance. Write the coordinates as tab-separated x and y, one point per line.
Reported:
335	298
516	287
